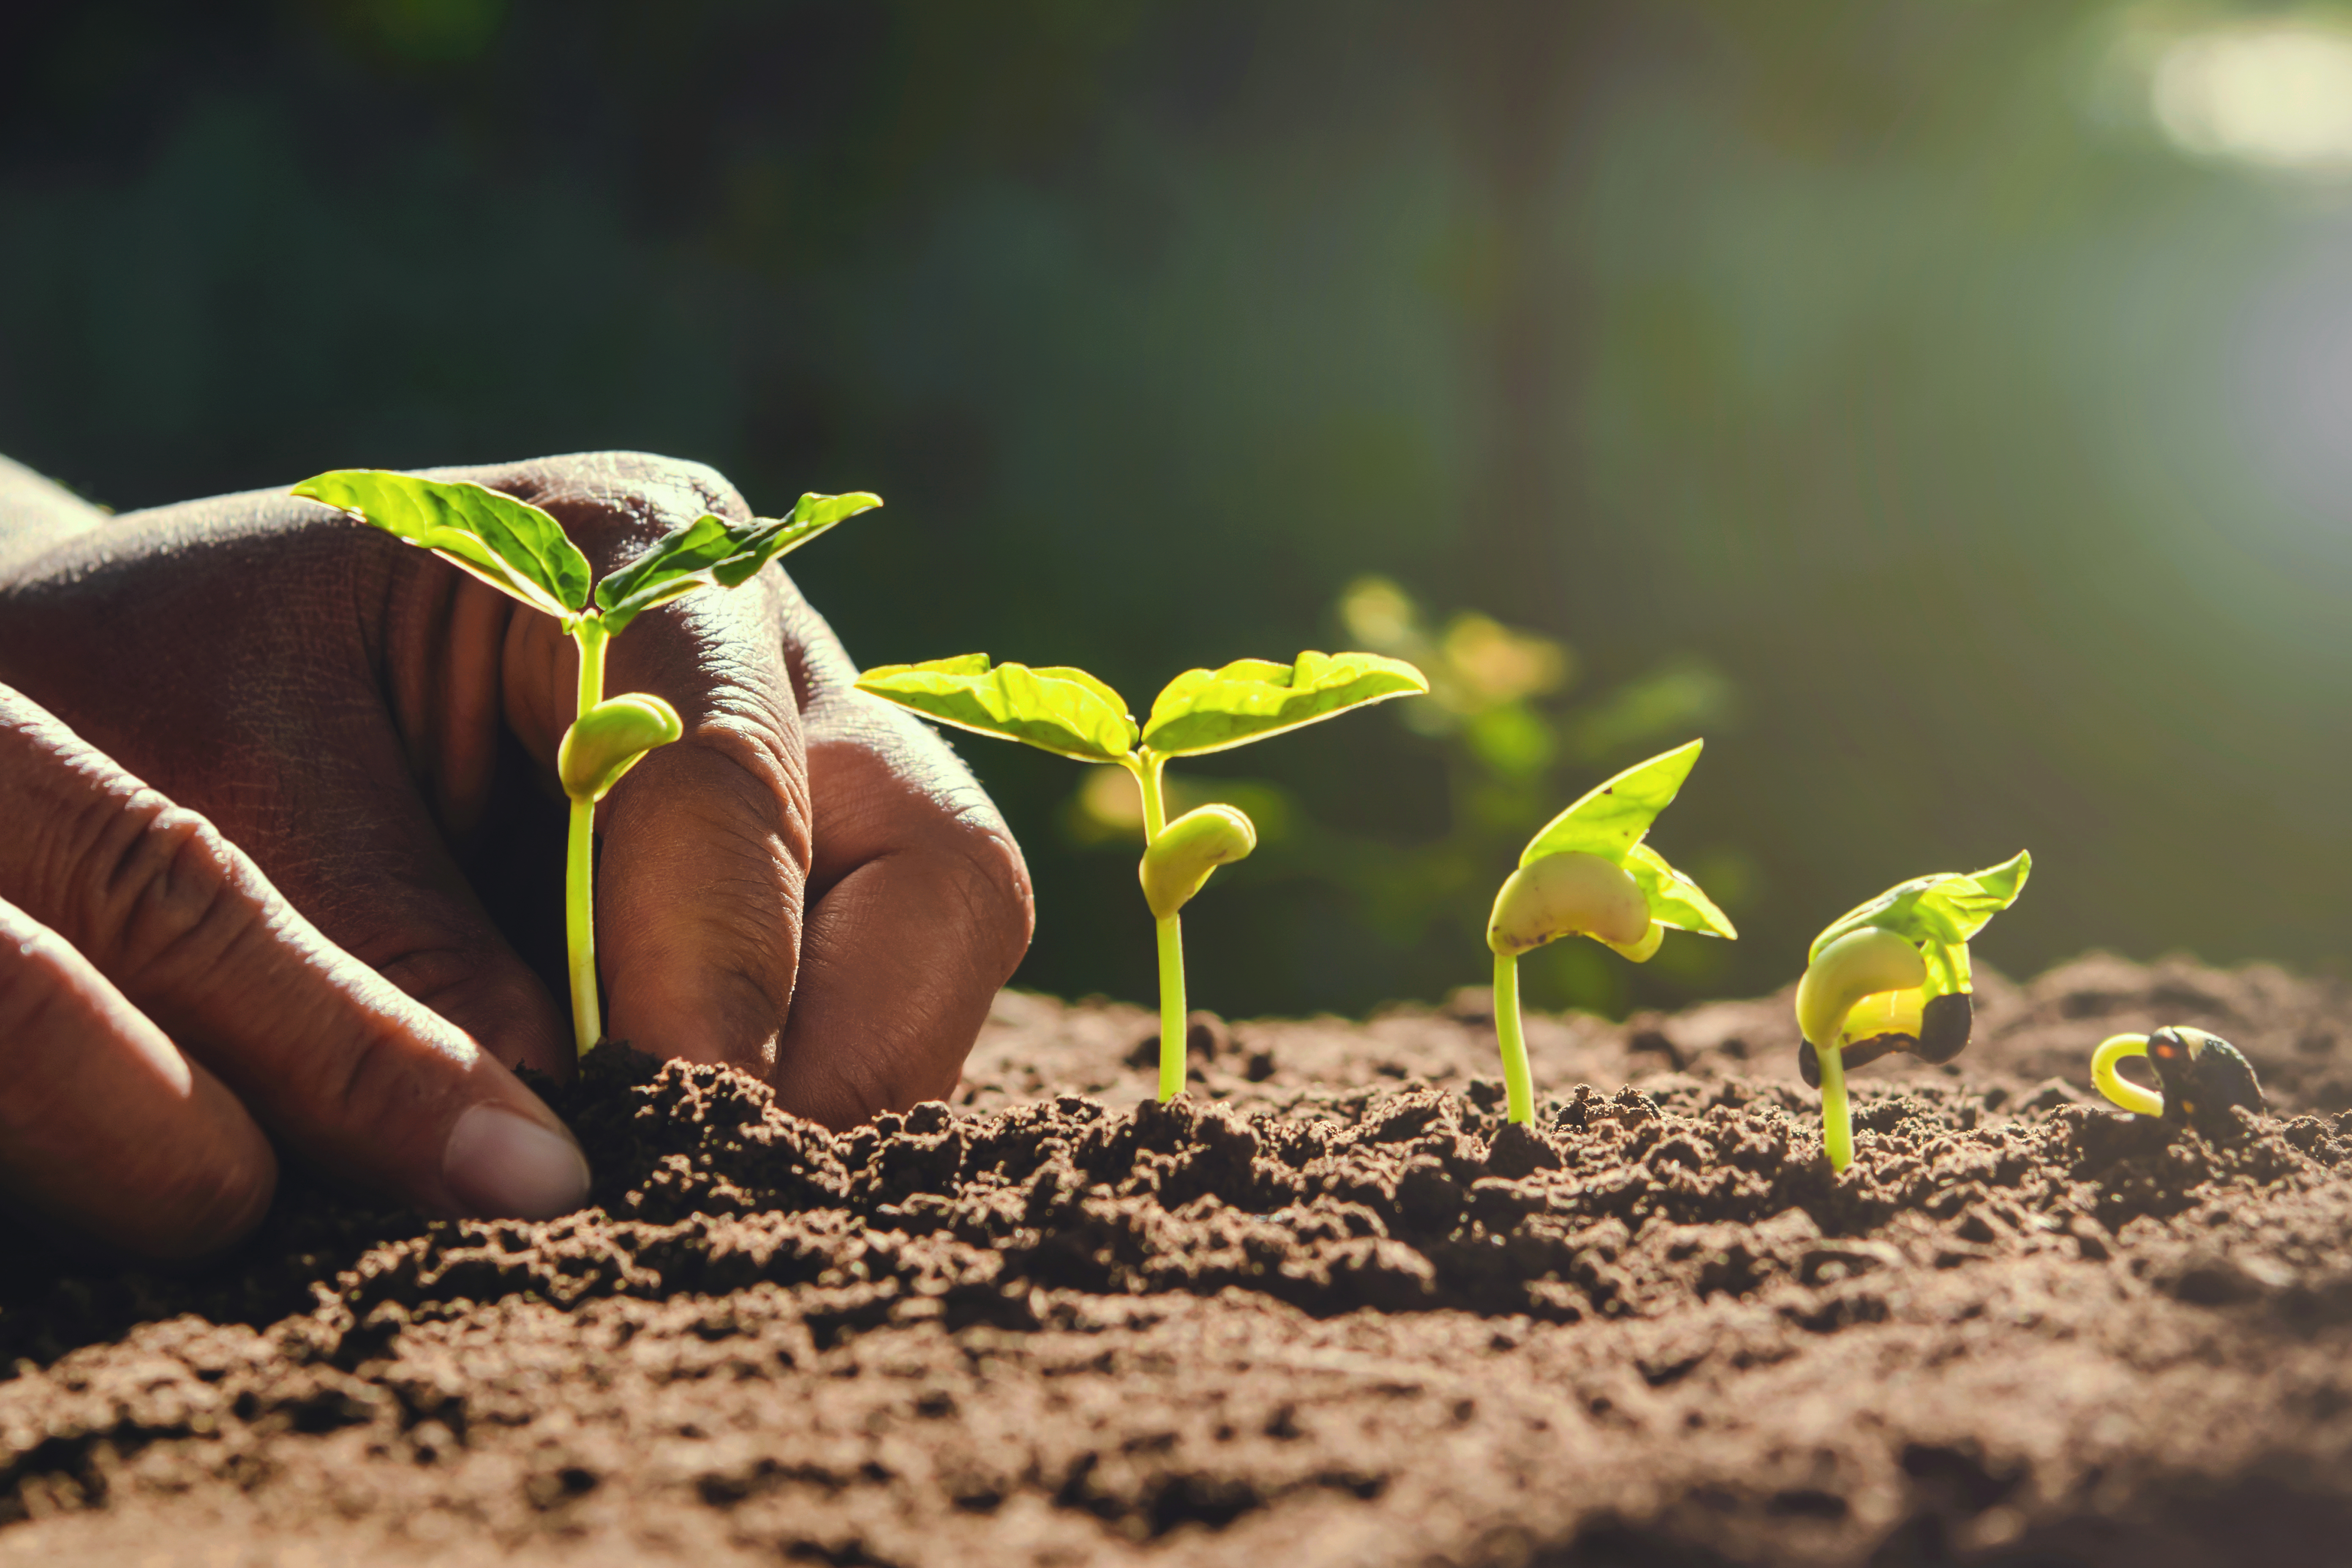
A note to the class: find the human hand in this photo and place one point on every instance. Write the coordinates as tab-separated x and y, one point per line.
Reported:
807	885
160	1002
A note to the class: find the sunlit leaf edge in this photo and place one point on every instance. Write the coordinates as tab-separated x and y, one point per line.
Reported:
949	691
1613	815
527	556
1342	681
1946	906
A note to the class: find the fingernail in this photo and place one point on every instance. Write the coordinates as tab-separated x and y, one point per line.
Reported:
505	1166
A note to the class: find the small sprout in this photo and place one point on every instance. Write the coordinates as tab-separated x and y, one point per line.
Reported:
1892	975
2202	1076
1071	714
525	554
1587	873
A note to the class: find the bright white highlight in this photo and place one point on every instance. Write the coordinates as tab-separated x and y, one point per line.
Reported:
2277	94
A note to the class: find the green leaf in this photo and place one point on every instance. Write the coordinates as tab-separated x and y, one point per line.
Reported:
1212	709
1675	900
1945	908
712	552
511	545
1610	819
1065	711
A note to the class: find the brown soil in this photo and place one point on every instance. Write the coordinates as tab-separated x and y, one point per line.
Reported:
1330	1311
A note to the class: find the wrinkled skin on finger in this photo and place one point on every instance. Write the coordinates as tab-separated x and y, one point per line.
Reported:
806	885
160	1003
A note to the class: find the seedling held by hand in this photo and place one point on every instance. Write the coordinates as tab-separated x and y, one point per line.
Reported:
524	554
1587	873
1071	714
2202	1076
1892	975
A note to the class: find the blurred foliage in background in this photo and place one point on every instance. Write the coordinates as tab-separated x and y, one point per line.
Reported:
1946	408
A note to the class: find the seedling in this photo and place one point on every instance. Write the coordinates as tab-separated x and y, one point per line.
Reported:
523	552
1587	873
1071	714
1892	975
2202	1076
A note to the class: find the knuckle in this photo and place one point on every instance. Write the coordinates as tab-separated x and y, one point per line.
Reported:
669	491
368	1089
761	783
994	881
159	890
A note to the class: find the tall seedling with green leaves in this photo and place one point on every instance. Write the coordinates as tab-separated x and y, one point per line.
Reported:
1071	714
1587	873
523	552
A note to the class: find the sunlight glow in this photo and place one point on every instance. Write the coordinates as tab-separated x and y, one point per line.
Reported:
2277	94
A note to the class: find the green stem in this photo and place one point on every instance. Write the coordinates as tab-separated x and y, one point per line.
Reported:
1147	770
1172	1010
580	861
1512	1034
1837	1115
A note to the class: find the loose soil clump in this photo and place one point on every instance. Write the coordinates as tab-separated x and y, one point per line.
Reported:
1330	1309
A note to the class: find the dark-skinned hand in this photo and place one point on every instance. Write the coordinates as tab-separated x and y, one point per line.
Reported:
255	706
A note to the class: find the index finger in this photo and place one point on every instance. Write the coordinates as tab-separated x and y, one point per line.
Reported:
329	1054
105	1127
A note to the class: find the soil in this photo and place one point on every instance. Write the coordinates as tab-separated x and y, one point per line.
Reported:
1327	1310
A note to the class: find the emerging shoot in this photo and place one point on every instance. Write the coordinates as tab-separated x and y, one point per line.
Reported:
524	554
1587	873
1071	714
2202	1076
1892	975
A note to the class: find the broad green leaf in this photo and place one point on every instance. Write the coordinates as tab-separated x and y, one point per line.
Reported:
712	552
1212	709
1610	819
511	545
1065	711
1945	908
1675	900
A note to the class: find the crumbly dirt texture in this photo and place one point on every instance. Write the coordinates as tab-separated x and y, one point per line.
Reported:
1329	1309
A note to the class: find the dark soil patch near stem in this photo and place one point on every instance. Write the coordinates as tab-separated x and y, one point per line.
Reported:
1331	1311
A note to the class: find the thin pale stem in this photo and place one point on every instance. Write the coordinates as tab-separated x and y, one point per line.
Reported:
1837	1115
580	925
1147	769
580	863
1512	1034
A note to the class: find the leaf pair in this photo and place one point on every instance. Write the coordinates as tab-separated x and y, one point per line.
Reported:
1611	819
1938	913
522	552
1071	714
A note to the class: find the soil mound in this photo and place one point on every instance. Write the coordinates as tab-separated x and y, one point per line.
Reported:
1331	1308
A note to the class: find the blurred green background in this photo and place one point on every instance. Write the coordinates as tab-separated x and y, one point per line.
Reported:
1943	405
